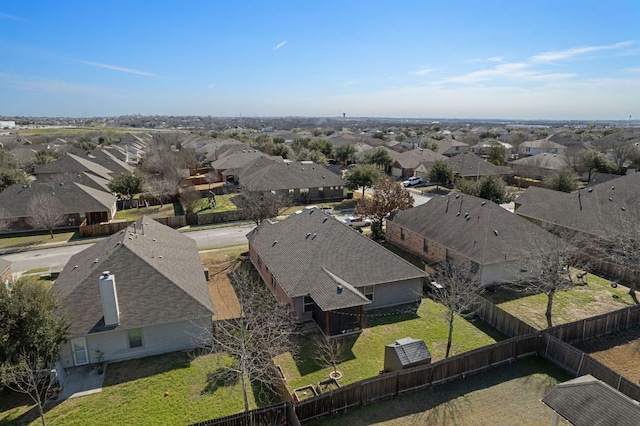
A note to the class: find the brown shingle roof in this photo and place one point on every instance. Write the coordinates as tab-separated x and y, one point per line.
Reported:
158	274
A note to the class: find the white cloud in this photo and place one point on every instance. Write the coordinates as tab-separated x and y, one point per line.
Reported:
576	51
118	68
11	17
424	71
517	71
491	59
279	45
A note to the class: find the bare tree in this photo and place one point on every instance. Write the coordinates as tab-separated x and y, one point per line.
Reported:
329	352
457	288
190	198
264	330
261	205
546	267
162	188
45	211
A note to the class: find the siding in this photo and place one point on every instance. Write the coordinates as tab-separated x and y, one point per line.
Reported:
157	339
396	293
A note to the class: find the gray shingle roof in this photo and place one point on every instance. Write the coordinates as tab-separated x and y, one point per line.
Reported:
83	178
158	274
598	211
267	175
315	253
536	194
541	144
467	164
73	163
74	197
545	161
474	227
412	159
109	161
410	351
586	401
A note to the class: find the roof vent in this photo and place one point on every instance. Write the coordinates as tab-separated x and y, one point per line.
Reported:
105	274
483	203
96	260
495	232
590	189
274	243
622	208
308	235
457	196
314	236
325	219
613	187
611	199
458	214
340	288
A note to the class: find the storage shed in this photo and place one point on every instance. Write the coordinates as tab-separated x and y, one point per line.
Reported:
405	353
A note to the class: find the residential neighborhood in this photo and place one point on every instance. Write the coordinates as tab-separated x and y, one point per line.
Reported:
487	206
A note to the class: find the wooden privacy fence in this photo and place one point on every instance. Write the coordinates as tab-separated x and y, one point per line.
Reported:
501	319
600	325
579	363
278	414
393	384
101	229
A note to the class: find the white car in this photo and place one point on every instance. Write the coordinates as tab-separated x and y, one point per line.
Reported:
356	222
412	181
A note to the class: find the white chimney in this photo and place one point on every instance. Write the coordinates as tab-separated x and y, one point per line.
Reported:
109	299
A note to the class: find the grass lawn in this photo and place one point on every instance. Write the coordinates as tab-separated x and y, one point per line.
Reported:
152	211
595	298
223	204
365	352
32	240
507	395
133	393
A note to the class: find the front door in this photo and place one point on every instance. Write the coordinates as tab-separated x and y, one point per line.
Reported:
79	348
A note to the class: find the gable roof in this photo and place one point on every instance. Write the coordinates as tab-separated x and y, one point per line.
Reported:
541	144
312	253
587	401
158	274
410	351
109	161
544	160
264	174
84	178
74	198
478	229
537	194
467	164
73	163
598	210
446	144
413	158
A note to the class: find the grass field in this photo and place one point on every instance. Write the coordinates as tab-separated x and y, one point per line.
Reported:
133	393
32	240
507	395
618	351
152	211
584	301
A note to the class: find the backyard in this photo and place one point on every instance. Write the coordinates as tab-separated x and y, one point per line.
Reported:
507	395
596	297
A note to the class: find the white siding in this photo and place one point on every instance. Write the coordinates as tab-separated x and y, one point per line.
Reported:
396	172
156	340
397	293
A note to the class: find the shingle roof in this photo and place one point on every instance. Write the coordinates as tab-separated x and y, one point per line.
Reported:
83	178
73	163
315	253
467	164
536	194
74	198
587	401
109	161
598	210
158	274
545	160
410	351
477	228
446	144
541	143
412	159
267	175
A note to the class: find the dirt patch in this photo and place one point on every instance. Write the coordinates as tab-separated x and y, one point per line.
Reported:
225	302
618	351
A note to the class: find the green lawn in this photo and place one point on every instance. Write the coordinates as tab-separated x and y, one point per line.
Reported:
153	211
583	301
366	351
133	393
31	240
223	204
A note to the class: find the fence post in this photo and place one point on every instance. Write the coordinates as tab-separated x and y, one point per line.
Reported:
580	366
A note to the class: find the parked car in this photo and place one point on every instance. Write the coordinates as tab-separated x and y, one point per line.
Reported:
356	222
412	181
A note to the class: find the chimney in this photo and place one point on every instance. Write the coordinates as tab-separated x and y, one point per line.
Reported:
109	299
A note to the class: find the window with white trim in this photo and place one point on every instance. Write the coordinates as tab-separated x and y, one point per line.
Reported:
367	291
307	304
135	338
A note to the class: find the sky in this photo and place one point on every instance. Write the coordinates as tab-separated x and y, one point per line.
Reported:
524	59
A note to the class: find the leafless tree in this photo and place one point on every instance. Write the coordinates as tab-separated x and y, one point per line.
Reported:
162	188
329	352
32	376
45	211
261	205
457	289
190	198
264	330
547	267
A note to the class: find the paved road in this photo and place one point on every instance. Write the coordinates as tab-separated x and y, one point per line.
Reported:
57	257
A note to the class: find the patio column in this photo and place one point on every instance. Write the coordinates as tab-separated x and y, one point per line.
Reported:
361	317
327	330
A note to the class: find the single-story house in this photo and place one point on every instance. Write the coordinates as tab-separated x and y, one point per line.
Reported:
470	166
539	166
450	147
541	146
406	163
77	203
587	401
476	232
140	292
330	273
71	163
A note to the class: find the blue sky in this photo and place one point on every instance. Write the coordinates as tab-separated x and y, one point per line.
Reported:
523	59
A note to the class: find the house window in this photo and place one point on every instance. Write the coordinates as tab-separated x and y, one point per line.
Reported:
402	233
528	149
291	191
457	148
308	304
135	338
304	190
425	245
474	267
368	292
321	188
